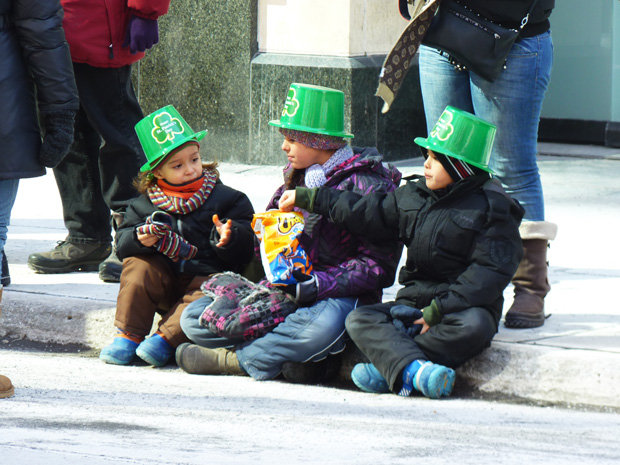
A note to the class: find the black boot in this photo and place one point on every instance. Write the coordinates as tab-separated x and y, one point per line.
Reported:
110	269
312	372
6	277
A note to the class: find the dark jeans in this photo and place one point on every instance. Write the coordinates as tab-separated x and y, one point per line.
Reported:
96	175
459	337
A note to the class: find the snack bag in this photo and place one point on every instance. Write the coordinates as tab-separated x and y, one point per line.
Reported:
280	251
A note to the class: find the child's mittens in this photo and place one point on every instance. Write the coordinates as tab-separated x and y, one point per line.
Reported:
170	243
306	289
158	224
404	317
175	247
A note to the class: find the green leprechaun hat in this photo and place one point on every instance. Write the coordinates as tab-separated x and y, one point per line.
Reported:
161	132
315	109
461	135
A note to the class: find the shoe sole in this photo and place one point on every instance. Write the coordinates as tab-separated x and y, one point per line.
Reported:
113	361
9	393
89	266
148	358
522	322
365	387
109	278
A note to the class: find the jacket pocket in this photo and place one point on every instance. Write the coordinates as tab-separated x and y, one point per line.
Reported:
455	239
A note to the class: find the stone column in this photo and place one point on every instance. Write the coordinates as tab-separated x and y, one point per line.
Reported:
202	67
334	44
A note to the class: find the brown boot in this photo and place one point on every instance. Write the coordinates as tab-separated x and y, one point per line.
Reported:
530	280
201	361
6	388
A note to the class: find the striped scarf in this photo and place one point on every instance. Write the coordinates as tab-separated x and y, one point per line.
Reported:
180	205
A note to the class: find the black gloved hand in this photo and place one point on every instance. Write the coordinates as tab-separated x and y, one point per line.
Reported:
403	318
305	290
58	136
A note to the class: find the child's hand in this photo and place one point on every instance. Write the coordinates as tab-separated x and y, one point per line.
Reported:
287	201
148	240
425	327
223	229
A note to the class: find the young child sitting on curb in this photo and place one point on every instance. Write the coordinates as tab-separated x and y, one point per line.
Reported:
172	239
348	270
461	230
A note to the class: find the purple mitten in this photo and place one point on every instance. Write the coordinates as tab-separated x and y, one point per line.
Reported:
142	34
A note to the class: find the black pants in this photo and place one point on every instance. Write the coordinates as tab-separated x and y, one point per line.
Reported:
459	337
96	176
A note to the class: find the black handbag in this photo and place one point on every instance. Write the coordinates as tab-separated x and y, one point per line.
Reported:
472	42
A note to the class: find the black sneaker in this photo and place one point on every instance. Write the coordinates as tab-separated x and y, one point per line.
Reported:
312	372
70	256
110	269
6	277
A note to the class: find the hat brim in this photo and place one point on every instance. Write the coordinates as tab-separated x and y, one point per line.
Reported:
296	127
165	153
423	142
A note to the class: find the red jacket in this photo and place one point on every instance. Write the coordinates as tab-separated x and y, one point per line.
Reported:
95	29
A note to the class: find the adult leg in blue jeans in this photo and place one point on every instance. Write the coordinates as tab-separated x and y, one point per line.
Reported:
513	103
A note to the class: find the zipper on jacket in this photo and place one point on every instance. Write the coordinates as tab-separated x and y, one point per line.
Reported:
111	54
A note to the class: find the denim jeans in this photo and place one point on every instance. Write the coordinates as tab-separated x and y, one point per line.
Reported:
309	334
96	175
8	192
513	103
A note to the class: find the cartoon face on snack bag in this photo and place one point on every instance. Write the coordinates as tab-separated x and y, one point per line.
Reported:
281	252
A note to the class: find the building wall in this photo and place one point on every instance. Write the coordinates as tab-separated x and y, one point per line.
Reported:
227	66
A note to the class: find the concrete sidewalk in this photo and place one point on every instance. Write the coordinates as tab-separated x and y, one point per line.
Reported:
574	359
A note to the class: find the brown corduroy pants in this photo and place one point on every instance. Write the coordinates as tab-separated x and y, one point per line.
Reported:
150	287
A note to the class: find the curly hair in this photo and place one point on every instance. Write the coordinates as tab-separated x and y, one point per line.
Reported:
145	180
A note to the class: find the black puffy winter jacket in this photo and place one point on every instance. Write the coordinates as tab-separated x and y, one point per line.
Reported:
463	243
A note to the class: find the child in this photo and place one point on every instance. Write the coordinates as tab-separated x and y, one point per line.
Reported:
347	269
168	242
463	247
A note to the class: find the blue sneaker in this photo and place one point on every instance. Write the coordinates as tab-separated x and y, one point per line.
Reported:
432	380
155	350
368	379
120	352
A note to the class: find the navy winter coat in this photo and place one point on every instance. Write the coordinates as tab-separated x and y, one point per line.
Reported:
33	51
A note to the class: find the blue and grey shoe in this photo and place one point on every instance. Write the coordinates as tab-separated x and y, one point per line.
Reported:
432	380
368	379
120	352
155	350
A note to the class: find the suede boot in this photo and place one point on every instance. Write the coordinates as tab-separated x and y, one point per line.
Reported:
6	387
530	280
202	361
